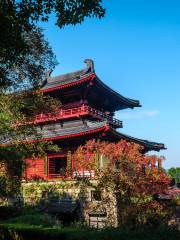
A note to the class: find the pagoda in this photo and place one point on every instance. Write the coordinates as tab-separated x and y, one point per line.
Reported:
87	112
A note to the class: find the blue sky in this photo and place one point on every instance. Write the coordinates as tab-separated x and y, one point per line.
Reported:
136	50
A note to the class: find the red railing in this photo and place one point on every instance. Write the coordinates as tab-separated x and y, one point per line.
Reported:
72	113
77	112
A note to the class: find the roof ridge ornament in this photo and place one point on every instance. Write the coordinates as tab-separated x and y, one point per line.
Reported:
90	65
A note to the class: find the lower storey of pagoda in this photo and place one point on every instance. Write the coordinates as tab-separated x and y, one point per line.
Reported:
69	136
55	166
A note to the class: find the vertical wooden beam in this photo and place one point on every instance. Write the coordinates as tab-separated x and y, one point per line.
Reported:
69	163
46	166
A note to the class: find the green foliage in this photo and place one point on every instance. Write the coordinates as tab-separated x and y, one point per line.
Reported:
175	174
40	193
21	72
145	213
13	158
24	68
29	232
9	187
34	219
16	110
8	212
24	53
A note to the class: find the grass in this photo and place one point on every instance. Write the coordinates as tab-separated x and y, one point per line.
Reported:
31	225
33	219
14	231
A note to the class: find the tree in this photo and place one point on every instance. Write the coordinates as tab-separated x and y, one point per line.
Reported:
17	108
133	177
175	175
25	55
18	19
17	101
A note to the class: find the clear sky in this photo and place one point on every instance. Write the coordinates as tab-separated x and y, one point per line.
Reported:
136	50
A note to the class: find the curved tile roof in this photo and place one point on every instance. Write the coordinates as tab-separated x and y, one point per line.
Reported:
130	102
78	77
145	143
56	131
65	80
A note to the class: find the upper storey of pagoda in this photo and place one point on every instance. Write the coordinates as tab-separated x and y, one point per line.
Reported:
84	86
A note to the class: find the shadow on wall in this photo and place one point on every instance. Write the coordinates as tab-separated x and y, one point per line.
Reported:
64	208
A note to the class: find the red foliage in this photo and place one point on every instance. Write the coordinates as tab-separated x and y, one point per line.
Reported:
127	170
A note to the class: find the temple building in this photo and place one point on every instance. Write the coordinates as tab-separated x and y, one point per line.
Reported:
87	112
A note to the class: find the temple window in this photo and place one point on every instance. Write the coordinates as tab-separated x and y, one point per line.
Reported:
95	195
97	220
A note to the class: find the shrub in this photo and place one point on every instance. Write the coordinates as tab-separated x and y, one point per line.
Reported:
8	212
27	232
34	219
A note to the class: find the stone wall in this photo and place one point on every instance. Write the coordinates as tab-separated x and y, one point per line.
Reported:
42	193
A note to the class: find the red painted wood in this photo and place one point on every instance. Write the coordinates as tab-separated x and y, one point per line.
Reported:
75	112
54	155
74	103
35	168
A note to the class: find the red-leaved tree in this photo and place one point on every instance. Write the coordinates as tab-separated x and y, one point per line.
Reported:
133	177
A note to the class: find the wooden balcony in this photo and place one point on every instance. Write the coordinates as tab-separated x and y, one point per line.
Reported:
77	112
